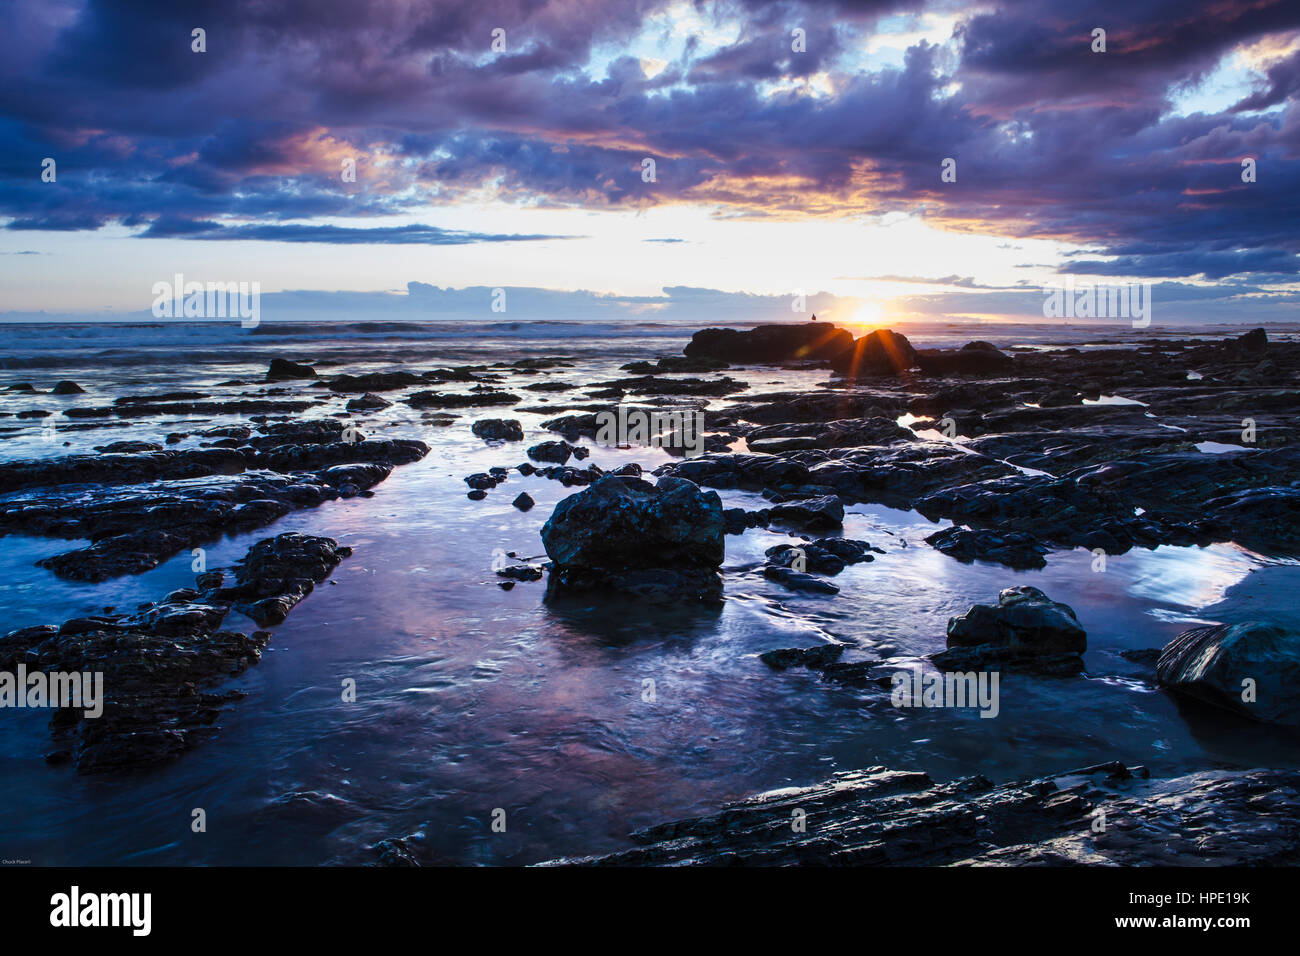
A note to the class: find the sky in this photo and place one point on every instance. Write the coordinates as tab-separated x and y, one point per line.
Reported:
647	158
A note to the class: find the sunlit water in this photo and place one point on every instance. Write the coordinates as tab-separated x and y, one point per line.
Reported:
471	698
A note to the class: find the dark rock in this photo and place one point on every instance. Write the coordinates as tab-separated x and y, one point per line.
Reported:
520	572
1025	623
812	657
67	387
279	572
161	662
284	370
397	853
1015	549
798	580
881	817
1256	340
825	511
626	534
524	501
477	399
367	403
964	361
554	451
675	363
1224	663
770	343
882	352
498	429
823	556
848	433
374	382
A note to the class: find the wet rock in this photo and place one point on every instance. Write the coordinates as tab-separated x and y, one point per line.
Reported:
67	387
524	502
374	382
284	370
624	534
882	817
964	361
653	385
520	572
140	409
848	433
554	451
1024	624
369	402
483	480
1251	669
134	528
882	352
823	556
737	520
798	580
477	399
825	511
815	658
770	343
568	476
279	572
127	447
1015	549
498	429
675	363
398	852
477	494
162	663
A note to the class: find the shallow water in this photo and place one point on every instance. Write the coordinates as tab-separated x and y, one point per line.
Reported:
471	698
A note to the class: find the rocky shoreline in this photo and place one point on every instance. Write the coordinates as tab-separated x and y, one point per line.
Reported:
1107	815
1028	453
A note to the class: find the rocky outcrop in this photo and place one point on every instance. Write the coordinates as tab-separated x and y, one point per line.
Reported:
163	663
624	534
847	433
138	522
882	352
1251	669
882	817
1015	549
821	513
770	344
964	361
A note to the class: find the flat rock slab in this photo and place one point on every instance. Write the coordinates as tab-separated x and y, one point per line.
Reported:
882	817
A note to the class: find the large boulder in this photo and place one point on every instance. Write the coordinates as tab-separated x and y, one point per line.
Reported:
770	343
1251	669
625	534
284	370
882	352
1024	627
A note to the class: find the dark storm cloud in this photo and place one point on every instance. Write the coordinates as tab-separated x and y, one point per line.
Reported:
1050	139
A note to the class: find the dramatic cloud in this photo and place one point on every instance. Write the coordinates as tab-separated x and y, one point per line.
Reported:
1051	139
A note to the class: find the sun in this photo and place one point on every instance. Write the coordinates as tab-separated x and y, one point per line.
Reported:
869	314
